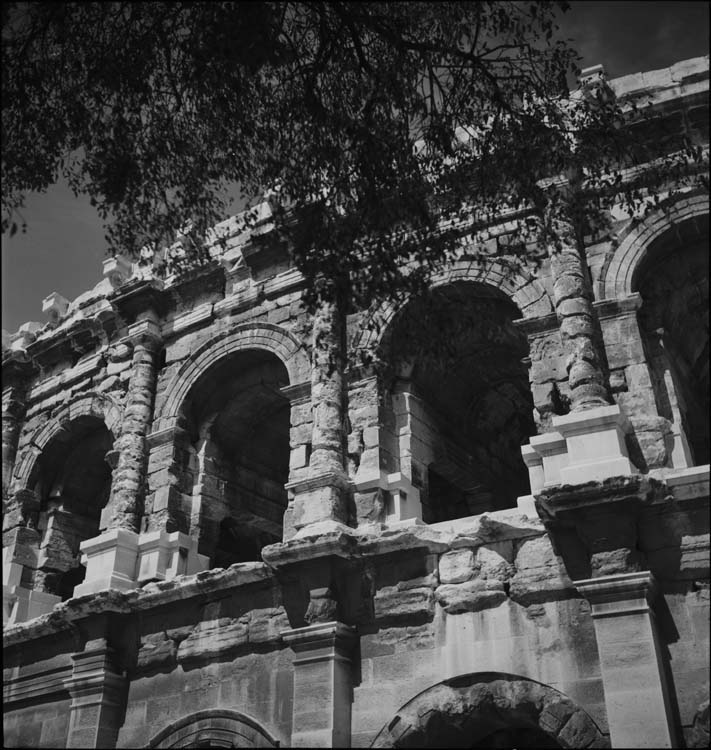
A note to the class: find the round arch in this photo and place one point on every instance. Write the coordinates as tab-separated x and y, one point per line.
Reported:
266	336
528	294
97	405
216	727
618	273
469	708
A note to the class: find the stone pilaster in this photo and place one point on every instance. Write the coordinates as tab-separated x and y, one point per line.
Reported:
573	298
98	693
130	474
321	497
16	371
322	684
112	558
631	662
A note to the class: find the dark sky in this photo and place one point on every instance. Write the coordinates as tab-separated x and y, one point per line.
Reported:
64	247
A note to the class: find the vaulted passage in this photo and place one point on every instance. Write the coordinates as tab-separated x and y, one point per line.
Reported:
673	281
460	400
74	482
239	428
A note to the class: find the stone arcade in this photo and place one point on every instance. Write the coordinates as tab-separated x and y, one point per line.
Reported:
202	547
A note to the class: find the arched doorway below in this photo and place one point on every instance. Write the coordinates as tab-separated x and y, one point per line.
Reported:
214	728
491	709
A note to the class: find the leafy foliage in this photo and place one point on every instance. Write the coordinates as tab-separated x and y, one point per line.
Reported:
380	131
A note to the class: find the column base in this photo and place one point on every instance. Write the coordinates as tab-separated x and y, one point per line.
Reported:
595	441
319	498
121	559
163	555
110	560
553	450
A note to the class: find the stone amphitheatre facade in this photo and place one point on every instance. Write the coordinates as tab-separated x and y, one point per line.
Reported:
485	568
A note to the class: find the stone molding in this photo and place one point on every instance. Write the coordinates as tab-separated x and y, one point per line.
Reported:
298	393
628	592
151	595
50	684
322	641
613	308
165	436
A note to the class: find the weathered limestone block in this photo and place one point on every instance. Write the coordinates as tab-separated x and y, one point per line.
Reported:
653	442
265	625
540	574
393	603
213	637
456	566
494	561
639	387
157	650
470	596
699	735
369	505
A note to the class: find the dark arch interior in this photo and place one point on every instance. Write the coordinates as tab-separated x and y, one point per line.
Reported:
673	281
239	423
73	485
516	737
458	357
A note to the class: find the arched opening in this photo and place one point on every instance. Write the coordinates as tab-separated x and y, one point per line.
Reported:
673	280
459	400
238	422
490	709
509	737
73	486
214	728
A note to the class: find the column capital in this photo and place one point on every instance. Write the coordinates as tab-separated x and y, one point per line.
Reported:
322	640
145	332
619	593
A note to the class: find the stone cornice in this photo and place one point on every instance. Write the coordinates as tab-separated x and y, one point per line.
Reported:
612	308
17	369
537	326
298	393
139	295
633	491
203	585
321	641
81	337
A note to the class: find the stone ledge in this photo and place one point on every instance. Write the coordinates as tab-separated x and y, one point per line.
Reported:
636	488
153	595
